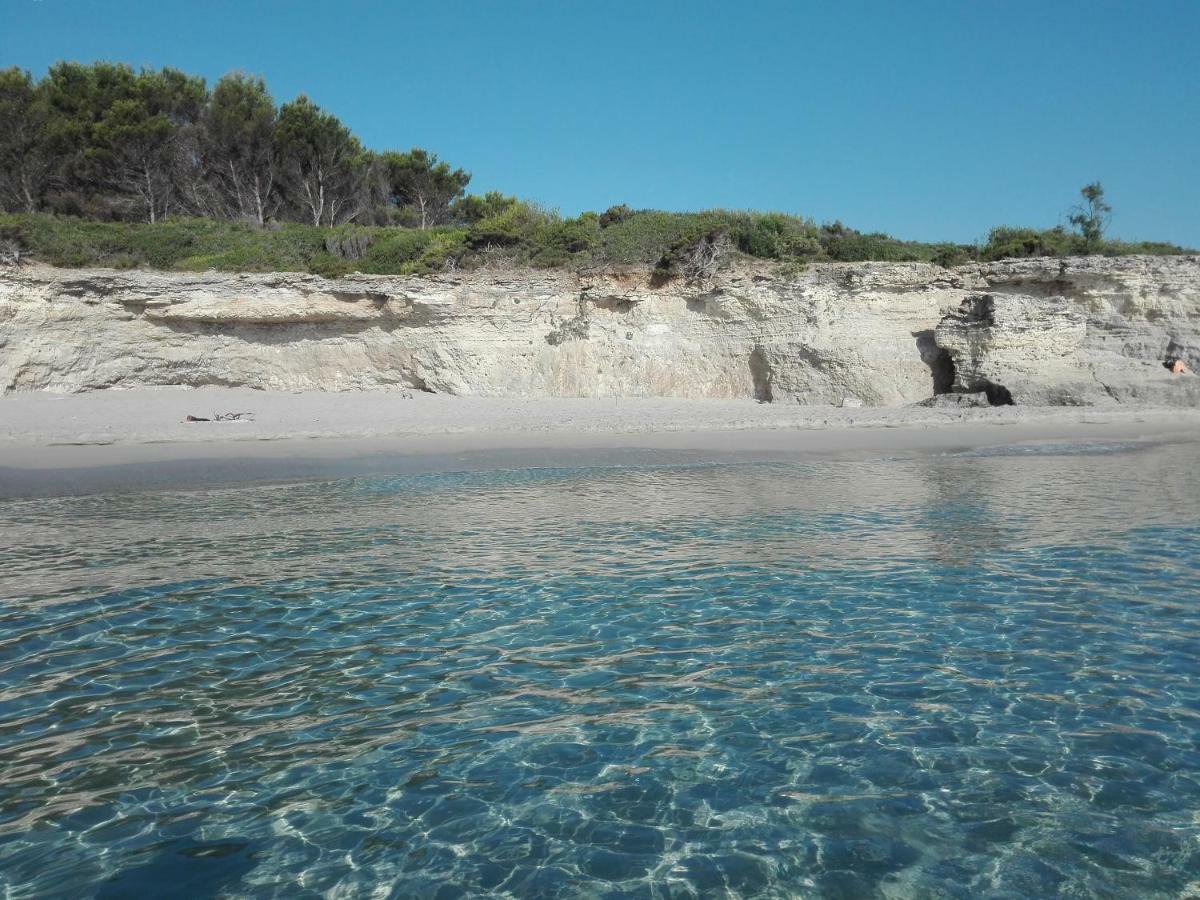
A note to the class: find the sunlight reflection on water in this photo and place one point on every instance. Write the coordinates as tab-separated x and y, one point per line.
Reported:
944	675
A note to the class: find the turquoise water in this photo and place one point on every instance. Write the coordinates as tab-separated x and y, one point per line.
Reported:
951	675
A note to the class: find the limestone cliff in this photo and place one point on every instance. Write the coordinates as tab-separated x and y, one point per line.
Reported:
1058	331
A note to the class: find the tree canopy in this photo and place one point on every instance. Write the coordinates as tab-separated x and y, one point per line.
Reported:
417	180
237	149
107	142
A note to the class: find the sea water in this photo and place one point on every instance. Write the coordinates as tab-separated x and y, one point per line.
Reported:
937	675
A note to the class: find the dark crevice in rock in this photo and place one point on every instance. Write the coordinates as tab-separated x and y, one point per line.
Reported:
1060	287
278	334
613	303
418	383
761	375
997	394
943	372
374	297
979	310
939	360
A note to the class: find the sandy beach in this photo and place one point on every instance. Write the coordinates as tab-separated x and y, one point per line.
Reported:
66	442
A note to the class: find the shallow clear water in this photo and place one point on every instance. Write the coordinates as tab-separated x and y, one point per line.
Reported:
951	675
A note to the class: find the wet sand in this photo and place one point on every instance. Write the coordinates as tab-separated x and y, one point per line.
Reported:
52	444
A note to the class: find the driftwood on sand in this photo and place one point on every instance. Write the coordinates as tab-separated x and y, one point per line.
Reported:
224	417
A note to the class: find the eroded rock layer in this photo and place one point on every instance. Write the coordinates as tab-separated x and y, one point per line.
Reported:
1047	331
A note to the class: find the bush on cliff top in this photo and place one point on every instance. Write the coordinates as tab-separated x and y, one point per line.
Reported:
1007	242
507	230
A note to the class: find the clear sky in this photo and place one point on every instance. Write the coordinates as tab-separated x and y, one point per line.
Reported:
929	120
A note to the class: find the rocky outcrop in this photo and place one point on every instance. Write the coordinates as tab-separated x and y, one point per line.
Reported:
1014	346
1047	331
1100	331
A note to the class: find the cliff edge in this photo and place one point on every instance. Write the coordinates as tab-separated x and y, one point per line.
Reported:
1075	331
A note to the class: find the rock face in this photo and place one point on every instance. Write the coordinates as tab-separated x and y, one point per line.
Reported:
1016	346
1102	331
1047	331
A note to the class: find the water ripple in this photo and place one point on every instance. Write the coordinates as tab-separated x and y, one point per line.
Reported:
948	676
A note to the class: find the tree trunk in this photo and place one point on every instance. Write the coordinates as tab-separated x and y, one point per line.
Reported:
258	201
27	195
150	196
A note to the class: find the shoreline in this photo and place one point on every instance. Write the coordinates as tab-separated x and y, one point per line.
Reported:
138	439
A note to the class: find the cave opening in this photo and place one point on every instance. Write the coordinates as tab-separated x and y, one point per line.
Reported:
942	368
939	360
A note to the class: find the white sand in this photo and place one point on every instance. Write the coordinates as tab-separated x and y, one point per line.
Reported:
42	430
56	444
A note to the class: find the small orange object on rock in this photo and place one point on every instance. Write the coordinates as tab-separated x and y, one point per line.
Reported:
1179	367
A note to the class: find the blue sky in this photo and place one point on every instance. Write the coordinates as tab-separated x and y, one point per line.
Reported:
929	120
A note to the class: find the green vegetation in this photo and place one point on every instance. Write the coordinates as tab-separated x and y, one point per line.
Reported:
103	165
513	233
199	244
1013	243
1092	216
105	142
504	230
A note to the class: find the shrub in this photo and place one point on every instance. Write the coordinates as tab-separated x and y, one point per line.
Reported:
557	243
513	225
348	243
775	236
395	248
1014	243
476	208
645	236
848	245
180	244
1006	242
615	215
950	255
1150	248
698	259
518	232
325	263
447	249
